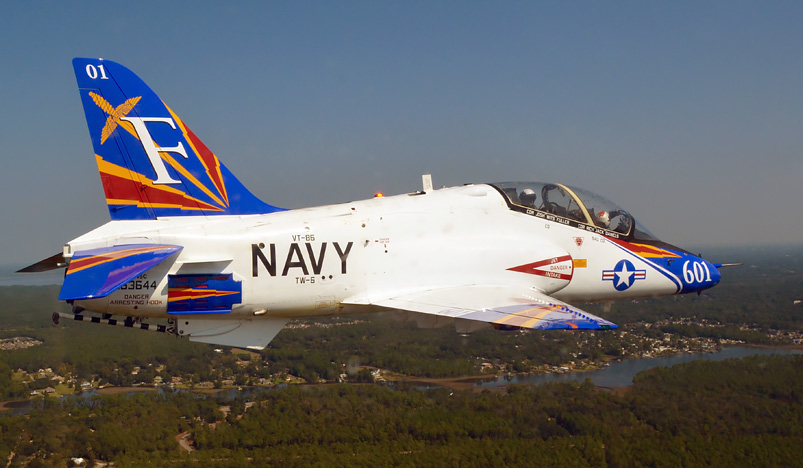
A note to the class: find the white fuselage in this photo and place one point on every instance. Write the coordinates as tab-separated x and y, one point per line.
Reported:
310	262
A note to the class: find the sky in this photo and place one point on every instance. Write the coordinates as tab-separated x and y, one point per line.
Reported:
688	114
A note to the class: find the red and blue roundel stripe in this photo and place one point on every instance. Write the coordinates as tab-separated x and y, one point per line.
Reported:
623	275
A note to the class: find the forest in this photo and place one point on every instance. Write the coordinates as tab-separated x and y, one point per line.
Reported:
745	412
699	414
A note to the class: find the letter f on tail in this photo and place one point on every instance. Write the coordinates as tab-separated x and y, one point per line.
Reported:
151	164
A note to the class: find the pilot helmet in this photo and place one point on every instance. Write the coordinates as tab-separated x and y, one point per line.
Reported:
604	218
527	197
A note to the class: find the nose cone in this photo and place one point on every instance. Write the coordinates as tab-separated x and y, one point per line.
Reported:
696	273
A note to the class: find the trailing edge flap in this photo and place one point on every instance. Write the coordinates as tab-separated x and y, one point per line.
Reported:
98	272
253	333
500	305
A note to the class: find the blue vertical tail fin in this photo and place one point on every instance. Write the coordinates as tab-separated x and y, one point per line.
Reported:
151	164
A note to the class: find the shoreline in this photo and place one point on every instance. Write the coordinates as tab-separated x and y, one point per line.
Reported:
119	390
453	383
13	404
795	346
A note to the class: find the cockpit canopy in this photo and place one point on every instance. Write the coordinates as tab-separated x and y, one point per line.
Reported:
573	204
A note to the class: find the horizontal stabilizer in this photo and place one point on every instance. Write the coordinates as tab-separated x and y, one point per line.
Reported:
98	272
500	305
50	263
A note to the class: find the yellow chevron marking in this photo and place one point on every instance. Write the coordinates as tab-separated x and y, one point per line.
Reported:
523	314
115	114
106	167
222	188
190	177
516	314
117	201
654	252
179	294
108	257
531	323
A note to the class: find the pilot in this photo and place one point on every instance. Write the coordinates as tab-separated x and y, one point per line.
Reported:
528	197
604	219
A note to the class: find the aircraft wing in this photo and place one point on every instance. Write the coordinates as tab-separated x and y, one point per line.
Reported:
500	305
98	272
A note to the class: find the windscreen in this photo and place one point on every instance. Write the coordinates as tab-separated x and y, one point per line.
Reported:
575	204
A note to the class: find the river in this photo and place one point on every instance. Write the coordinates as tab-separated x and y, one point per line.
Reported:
618	374
621	373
